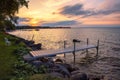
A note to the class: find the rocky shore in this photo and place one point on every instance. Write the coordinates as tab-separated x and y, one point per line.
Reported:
58	68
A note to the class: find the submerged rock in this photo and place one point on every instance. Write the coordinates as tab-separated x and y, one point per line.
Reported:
69	67
63	70
75	72
116	49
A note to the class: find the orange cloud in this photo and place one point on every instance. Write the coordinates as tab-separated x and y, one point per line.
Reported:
47	11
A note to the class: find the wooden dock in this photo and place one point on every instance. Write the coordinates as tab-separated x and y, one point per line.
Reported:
49	53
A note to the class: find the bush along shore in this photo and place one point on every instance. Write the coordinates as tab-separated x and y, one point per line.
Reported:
12	56
7	55
44	68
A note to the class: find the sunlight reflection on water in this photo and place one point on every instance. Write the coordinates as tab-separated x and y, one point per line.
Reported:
54	38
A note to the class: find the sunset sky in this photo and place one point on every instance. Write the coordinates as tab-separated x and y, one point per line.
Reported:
73	13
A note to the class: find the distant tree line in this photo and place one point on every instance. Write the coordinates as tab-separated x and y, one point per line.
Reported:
31	27
38	27
8	9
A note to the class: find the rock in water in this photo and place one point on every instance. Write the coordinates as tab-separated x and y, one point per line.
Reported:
59	61
69	67
44	59
63	70
75	72
82	76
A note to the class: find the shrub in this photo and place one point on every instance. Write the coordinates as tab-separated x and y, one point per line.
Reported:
21	51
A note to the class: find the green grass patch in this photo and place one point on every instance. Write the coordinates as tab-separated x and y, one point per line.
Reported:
43	77
12	65
7	57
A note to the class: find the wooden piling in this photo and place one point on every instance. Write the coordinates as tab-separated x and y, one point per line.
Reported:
97	48
87	49
74	56
74	52
87	41
32	37
64	48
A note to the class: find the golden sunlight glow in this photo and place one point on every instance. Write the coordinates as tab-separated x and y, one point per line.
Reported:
34	23
46	11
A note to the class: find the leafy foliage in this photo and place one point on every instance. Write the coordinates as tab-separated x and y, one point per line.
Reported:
7	58
21	51
8	9
13	66
22	69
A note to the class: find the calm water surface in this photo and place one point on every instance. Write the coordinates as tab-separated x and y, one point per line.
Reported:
109	52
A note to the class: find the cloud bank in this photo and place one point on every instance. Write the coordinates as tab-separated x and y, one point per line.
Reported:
78	9
61	23
71	12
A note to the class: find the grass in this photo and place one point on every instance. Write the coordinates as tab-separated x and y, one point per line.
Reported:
7	57
44	77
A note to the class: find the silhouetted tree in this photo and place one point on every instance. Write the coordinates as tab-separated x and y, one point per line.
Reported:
8	9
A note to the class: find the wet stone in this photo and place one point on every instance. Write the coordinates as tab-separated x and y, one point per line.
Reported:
81	76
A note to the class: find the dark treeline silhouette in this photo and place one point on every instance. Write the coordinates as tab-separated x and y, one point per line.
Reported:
8	11
38	27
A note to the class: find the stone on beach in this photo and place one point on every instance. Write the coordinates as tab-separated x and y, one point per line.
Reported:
37	63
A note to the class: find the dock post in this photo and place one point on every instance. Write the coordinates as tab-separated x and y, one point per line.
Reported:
64	48
32	37
74	41
74	53
97	48
87	49
87	41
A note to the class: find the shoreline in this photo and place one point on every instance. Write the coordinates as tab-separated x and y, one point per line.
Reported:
74	73
98	71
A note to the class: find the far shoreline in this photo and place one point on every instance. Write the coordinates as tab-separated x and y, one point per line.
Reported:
41	27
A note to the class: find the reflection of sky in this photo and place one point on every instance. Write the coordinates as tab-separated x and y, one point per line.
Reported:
71	12
109	48
53	38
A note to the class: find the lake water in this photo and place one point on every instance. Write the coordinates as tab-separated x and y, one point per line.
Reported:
109	52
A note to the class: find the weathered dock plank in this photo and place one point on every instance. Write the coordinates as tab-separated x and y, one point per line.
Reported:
47	53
